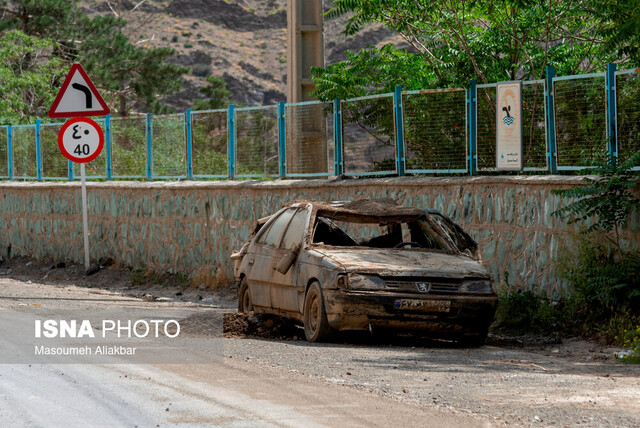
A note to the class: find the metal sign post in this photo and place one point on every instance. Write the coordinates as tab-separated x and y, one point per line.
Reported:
81	140
85	222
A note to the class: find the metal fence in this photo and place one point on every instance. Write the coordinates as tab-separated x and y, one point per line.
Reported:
569	123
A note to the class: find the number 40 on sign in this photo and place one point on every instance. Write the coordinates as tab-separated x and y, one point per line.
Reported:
81	140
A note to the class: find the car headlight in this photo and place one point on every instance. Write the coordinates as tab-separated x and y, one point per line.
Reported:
478	286
343	282
366	282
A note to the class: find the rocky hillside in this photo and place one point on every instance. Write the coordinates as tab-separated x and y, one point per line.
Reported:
242	41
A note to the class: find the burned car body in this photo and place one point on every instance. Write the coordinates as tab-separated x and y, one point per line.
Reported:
366	264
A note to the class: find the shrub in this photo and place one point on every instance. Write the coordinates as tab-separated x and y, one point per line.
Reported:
607	199
201	70
631	340
605	277
523	311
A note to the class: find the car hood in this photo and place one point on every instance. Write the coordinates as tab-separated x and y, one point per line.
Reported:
402	262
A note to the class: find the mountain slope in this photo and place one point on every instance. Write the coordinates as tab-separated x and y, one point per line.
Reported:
242	41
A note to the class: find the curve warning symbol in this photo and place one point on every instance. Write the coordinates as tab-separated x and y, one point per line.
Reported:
78	96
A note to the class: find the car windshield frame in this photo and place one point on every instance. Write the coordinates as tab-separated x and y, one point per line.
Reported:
326	219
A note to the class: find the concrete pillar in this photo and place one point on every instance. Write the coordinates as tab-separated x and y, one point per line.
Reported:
305	47
306	126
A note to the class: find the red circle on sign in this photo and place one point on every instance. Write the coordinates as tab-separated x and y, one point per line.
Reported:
89	122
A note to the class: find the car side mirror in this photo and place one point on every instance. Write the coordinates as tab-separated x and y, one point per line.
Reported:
288	260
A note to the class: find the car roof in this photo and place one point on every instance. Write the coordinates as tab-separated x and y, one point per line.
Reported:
363	209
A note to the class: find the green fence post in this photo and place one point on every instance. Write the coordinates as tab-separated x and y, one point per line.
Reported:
149	147
10	152
397	104
107	139
38	151
187	119
472	101
612	110
337	133
551	120
231	141
282	135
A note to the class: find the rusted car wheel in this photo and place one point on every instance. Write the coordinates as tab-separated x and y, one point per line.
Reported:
244	298
316	326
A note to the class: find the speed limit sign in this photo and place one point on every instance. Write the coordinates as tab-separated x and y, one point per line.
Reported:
81	140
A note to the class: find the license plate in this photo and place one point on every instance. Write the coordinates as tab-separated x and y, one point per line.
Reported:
423	305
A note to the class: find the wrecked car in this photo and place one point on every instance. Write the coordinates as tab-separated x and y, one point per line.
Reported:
361	265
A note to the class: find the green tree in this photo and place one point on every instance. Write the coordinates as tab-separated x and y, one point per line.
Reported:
458	40
127	75
217	95
621	20
28	72
608	199
454	41
40	18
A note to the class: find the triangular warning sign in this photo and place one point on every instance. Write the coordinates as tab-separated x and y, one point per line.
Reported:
78	97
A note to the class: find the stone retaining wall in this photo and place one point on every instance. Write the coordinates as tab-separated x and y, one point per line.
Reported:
192	227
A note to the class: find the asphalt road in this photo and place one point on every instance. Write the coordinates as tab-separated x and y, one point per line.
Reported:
73	395
265	382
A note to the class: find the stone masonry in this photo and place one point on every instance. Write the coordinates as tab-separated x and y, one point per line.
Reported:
192	227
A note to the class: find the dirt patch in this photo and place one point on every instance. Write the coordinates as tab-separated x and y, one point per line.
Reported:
252	325
147	286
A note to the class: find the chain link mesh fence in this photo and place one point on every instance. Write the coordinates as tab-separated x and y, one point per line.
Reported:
581	120
257	142
129	147
309	133
486	127
368	136
434	130
435	124
4	153
628	99
534	128
25	164
168	146
54	164
209	143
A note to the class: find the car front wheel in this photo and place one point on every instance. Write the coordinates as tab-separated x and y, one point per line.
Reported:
244	297
316	326
475	339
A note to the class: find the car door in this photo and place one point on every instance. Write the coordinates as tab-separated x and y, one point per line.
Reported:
261	258
284	286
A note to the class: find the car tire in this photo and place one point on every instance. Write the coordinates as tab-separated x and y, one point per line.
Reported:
245	303
316	326
475	339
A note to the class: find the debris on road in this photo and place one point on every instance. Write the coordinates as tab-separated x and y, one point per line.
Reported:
243	325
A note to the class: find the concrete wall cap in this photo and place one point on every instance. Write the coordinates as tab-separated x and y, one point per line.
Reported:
540	180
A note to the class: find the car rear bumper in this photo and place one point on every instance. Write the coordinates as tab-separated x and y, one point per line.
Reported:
356	310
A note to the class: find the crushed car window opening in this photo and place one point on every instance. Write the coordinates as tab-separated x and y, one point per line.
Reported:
367	232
